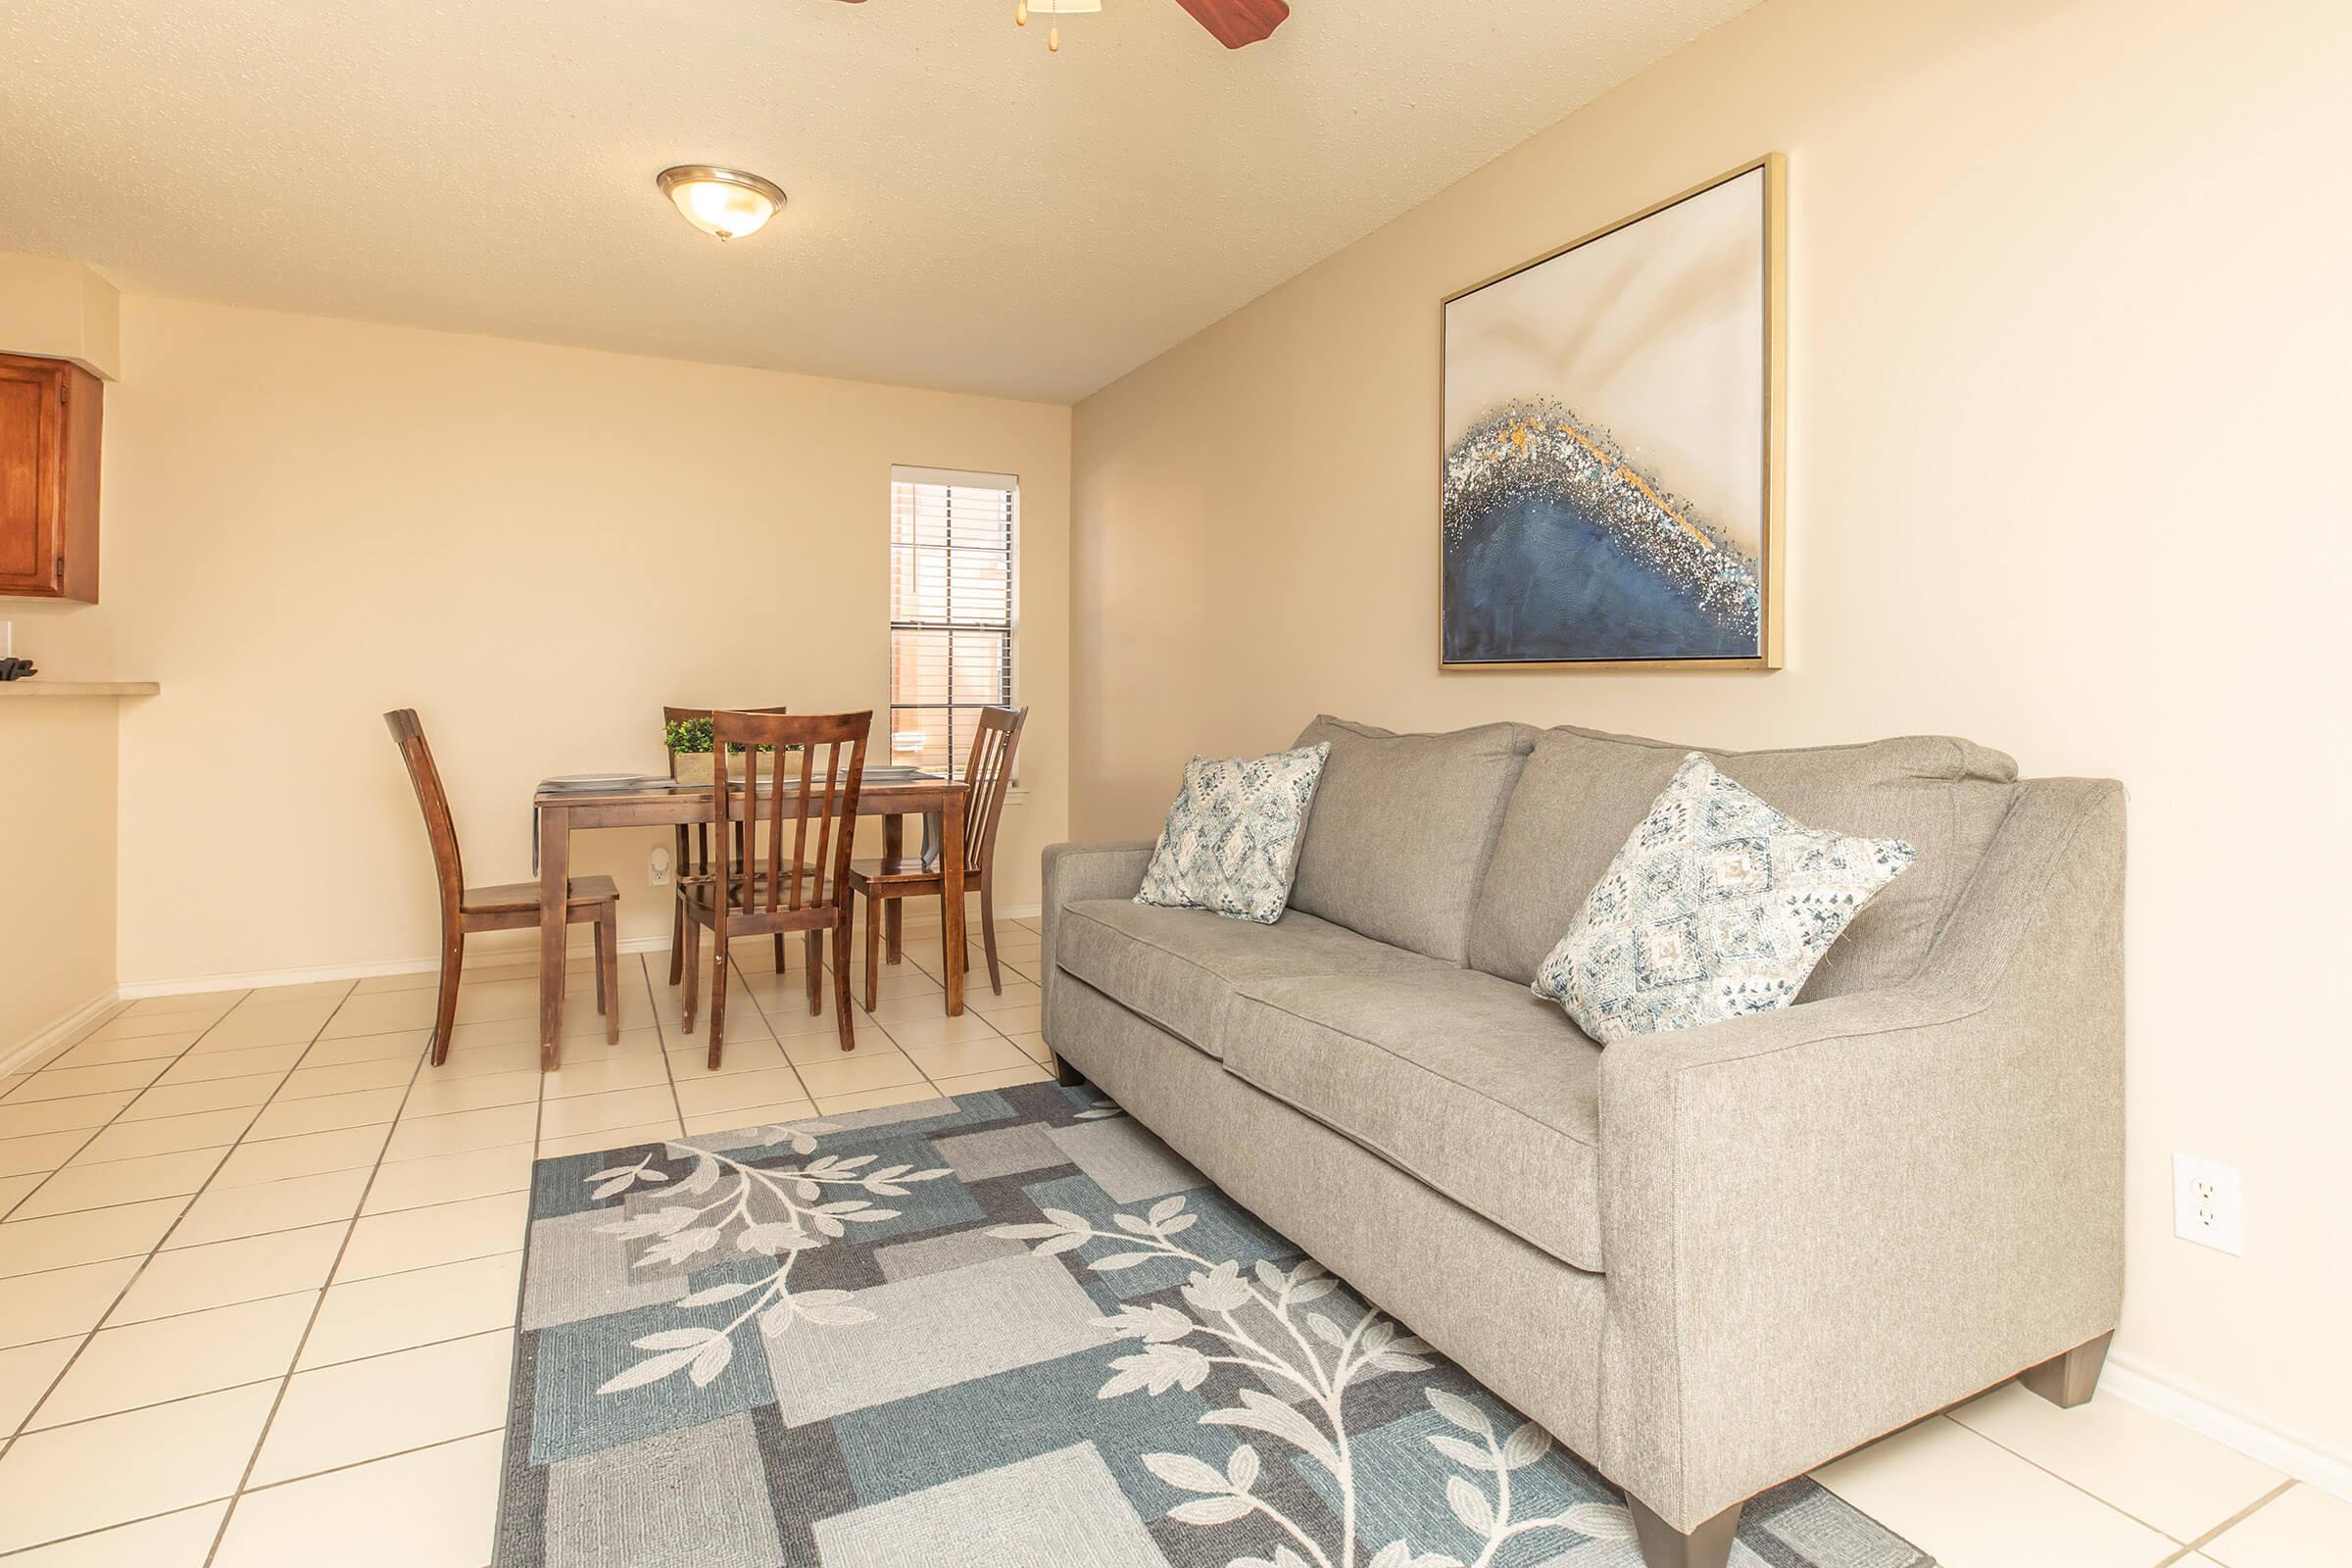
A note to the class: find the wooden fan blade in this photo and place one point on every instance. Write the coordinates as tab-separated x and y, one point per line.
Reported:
1237	23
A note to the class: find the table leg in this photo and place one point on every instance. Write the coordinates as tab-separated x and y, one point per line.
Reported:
894	845
951	866
555	889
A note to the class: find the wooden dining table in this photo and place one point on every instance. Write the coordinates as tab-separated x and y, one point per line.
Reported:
660	804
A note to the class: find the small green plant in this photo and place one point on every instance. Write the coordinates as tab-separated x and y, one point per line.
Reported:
692	735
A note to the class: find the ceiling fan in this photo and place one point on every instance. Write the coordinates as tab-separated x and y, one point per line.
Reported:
1234	24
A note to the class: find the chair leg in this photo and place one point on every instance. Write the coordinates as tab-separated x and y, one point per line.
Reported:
894	926
607	970
842	1010
2070	1379
677	939
445	1010
719	1000
1664	1547
596	935
816	973
694	976
873	948
779	953
988	936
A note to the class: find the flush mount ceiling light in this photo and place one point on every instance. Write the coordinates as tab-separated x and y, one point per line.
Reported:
725	202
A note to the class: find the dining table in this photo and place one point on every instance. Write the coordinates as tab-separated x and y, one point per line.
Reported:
892	795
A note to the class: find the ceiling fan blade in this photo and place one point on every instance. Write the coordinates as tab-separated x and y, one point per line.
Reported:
1237	23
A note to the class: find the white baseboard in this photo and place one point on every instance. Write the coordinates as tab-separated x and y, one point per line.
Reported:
2152	1388
57	1031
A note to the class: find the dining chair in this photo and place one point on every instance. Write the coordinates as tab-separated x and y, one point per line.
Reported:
505	906
694	844
987	776
770	894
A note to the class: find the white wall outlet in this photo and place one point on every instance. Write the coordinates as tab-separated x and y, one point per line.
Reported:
2205	1205
656	868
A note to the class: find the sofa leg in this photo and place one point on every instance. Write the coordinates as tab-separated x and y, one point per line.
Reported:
1064	1074
1664	1547
2069	1380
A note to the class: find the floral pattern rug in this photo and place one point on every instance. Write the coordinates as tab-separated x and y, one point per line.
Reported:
1010	1330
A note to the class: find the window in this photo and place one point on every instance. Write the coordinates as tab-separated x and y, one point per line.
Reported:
951	610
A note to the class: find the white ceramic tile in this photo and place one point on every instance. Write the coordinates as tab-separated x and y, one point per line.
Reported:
1028	1072
292	1118
103	1053
2304	1528
207	1003
41	1152
260	1207
2155	1470
358	1410
380	1012
450	1178
579	1075
589	1113
350	1078
132	1024
436	1096
613	1138
277	1160
61	1115
173	1357
171	1540
405	1044
454	1134
245	1063
186	1100
166	1135
693	1059
284	1023
741	1117
25	1373
121	1181
826	1047
72	1479
61	1240
192	1279
434	1508
1969	1503
61	1301
476	1059
921	1034
1034	1047
1018	994
324	993
971	1056
874	1099
731	1091
63	1083
14	1188
422	1306
850	1075
445	1233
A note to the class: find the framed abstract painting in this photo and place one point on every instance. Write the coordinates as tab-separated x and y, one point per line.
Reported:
1613	443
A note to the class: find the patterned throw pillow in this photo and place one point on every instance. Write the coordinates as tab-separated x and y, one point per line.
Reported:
1717	906
1231	842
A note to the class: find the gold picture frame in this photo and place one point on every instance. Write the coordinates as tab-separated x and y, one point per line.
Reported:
1771	523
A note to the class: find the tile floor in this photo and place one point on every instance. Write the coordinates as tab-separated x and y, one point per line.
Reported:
258	1277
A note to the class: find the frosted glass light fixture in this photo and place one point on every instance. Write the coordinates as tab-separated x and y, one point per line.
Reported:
724	202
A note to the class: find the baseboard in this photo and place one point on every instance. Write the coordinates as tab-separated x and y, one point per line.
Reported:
57	1031
2152	1388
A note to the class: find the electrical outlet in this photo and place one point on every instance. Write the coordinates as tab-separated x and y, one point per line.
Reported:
2206	1206
656	868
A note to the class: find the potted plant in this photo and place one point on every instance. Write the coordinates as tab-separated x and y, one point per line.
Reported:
689	741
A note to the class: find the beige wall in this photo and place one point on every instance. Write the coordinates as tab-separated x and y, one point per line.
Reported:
2068	400
57	859
310	521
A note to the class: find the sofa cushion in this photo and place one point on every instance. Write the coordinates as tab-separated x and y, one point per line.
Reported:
1583	792
1402	828
1461	1079
1179	967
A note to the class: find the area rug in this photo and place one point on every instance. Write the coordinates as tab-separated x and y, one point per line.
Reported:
1011	1330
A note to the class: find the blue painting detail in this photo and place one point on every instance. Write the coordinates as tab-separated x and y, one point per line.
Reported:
1559	548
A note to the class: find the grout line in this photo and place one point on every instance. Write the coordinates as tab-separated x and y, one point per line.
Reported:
2232	1522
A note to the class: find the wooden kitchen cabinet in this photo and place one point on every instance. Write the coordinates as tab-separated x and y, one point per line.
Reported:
49	416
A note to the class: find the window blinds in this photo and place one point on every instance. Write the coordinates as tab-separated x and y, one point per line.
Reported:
951	610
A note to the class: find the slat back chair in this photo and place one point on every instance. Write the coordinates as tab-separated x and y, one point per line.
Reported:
987	778
692	858
592	901
811	791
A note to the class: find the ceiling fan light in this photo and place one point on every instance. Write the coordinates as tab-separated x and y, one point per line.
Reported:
727	203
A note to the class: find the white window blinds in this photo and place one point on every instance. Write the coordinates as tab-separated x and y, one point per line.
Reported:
952	541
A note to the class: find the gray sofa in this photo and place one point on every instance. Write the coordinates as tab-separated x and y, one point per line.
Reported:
1707	1260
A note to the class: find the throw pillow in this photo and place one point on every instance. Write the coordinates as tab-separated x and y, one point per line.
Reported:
1716	908
1231	840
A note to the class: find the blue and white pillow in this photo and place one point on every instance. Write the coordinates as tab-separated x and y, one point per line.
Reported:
1231	840
1717	906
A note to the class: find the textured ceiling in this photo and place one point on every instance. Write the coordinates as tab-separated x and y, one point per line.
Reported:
967	210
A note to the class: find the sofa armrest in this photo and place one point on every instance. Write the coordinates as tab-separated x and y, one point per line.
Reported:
1074	875
1823	1223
